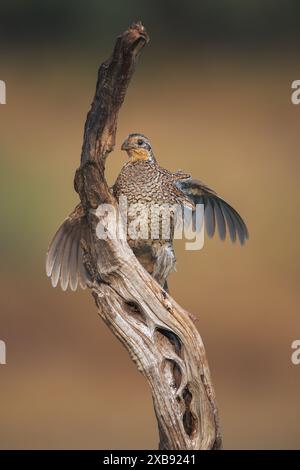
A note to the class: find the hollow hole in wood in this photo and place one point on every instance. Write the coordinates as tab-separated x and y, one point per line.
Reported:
189	419
135	311
173	340
175	372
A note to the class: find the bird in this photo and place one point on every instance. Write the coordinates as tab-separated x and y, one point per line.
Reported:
144	184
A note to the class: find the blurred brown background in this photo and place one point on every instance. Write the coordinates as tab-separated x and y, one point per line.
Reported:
212	91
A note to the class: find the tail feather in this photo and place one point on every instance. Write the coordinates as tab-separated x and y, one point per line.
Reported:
64	261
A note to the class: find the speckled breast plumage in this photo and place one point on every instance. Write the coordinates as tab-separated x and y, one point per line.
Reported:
147	182
148	187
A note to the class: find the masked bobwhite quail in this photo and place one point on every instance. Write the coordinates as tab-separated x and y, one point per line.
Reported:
144	184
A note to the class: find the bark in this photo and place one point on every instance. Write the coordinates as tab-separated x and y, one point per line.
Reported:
159	335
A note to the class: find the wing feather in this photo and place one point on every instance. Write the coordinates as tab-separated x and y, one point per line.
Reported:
64	261
209	217
220	219
217	212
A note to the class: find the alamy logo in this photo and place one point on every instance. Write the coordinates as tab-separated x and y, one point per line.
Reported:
2	352
295	357
151	222
295	97
2	92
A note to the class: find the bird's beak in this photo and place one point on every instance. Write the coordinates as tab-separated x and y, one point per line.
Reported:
125	145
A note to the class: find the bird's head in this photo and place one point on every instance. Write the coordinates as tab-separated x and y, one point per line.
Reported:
138	147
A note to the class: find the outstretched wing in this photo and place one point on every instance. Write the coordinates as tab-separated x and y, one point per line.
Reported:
217	212
64	261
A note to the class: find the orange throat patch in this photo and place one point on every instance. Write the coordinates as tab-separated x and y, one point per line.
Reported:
138	154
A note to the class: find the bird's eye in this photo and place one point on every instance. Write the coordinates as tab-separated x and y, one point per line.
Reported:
140	142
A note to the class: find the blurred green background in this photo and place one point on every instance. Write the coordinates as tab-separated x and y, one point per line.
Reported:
212	91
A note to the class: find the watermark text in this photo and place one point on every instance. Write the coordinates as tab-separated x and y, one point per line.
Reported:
295	96
2	352
295	357
151	221
2	92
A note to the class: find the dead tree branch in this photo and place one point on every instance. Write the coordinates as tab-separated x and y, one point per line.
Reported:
159	335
